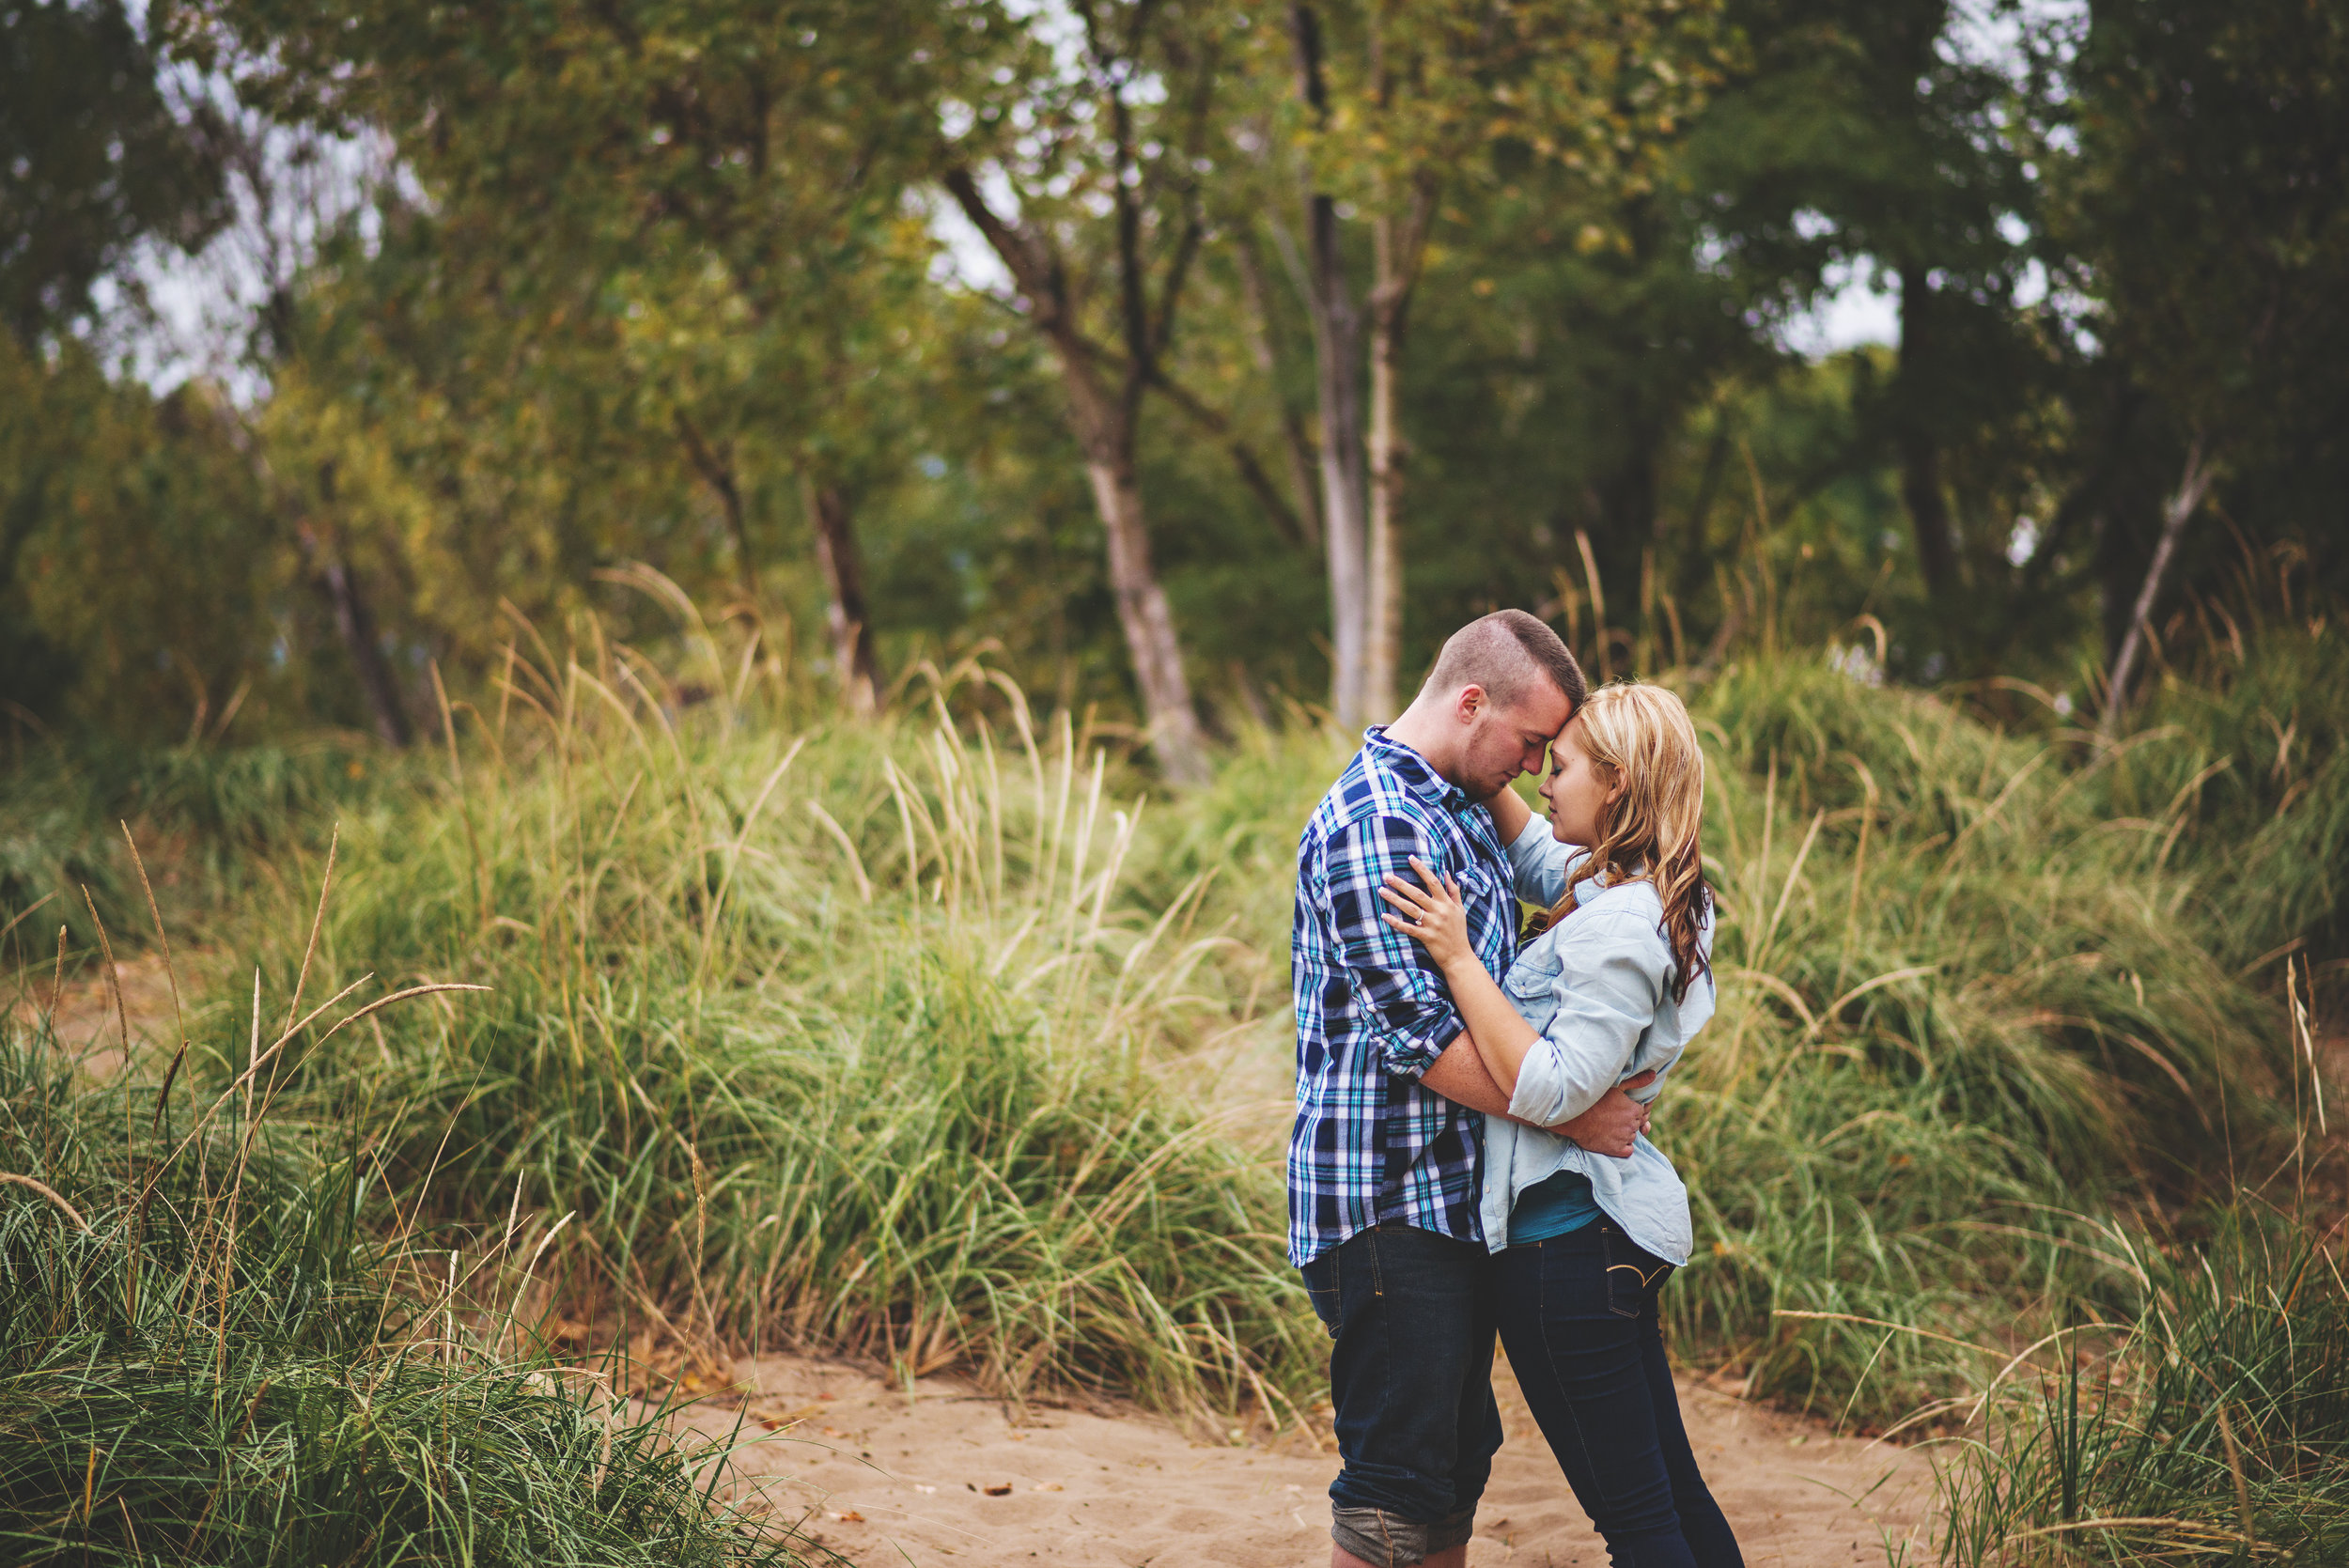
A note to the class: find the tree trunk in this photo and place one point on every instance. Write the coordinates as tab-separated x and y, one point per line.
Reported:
845	613
356	624
1147	622
1928	509
1919	454
1383	639
1337	361
716	467
1626	489
1344	526
2192	485
1397	246
1296	446
1104	425
1105	428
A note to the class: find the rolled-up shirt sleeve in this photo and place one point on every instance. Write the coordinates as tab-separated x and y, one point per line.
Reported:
1410	1015
1607	989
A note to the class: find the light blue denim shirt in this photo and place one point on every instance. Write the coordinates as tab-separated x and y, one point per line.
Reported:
1598	987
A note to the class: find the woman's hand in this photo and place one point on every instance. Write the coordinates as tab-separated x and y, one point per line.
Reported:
1433	914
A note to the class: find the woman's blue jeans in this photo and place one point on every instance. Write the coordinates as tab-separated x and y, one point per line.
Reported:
1578	1317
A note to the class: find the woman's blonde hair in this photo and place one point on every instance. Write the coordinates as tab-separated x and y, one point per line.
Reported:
1642	736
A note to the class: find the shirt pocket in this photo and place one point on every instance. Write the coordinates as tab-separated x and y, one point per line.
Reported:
1475	878
1532	976
1491	908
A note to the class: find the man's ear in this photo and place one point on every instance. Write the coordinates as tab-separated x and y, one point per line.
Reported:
1471	703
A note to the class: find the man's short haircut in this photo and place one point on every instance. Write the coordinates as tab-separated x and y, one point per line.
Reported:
1506	653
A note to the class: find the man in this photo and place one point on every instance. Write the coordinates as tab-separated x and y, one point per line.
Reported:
1390	1096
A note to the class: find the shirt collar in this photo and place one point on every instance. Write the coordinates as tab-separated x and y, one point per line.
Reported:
1413	771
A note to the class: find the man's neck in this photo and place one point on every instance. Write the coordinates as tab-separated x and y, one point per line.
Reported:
1427	735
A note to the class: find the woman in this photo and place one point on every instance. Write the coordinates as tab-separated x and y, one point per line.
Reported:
1610	989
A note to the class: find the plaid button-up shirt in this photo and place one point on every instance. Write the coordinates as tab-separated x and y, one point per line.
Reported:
1370	1144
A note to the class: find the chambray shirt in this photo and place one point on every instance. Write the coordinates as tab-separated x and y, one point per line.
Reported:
1370	1144
1598	987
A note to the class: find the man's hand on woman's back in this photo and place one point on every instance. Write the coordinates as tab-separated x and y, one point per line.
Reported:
1610	1126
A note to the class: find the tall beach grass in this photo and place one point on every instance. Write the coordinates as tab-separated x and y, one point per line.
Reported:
944	1039
209	1354
848	1038
2209	1422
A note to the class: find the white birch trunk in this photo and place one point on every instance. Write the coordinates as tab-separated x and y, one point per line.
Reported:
1149	623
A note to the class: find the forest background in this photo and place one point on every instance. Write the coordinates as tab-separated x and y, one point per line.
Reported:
1193	358
759	591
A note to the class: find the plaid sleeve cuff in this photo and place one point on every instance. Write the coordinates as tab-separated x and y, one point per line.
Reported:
1411	1048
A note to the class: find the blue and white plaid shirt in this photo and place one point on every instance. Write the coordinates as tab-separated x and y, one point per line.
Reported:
1370	1144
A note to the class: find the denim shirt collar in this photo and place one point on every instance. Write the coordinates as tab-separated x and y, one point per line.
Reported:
1414	772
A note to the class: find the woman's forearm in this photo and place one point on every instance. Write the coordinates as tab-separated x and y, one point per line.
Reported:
1501	1036
1510	813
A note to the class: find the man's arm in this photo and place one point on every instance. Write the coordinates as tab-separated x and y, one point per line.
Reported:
1459	1076
1606	1128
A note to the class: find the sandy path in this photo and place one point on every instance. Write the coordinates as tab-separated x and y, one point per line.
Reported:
81	1012
886	1478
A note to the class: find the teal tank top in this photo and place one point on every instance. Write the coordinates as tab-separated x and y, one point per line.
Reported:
1551	1207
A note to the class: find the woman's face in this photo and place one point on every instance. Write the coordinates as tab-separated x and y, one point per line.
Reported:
1575	790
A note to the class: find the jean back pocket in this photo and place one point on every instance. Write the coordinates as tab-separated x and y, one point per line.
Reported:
1634	1275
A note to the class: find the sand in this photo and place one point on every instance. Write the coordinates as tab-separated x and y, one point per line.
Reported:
81	1011
942	1475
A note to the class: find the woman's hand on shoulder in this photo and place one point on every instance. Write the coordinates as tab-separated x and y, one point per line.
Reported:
1432	914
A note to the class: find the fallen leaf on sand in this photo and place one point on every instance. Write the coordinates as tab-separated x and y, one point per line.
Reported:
1002	1491
796	1413
775	1420
851	1517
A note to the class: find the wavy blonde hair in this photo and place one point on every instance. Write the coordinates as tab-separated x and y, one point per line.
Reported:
1642	735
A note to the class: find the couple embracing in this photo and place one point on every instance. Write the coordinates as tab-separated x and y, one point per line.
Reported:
1467	1157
